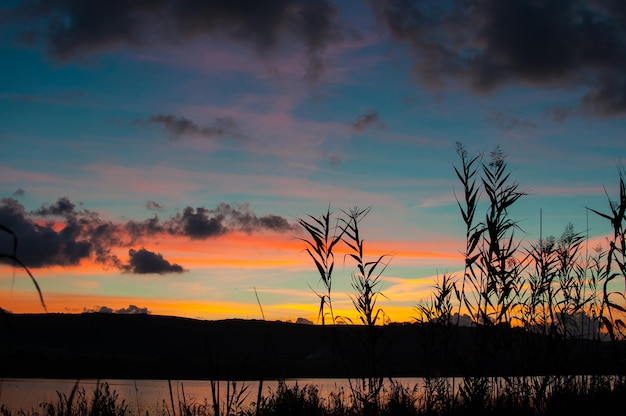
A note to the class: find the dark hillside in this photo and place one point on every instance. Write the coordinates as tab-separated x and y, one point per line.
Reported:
160	347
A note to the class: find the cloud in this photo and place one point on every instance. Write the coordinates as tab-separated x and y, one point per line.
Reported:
63	206
42	245
201	223
491	44
71	29
241	218
131	310
179	127
366	121
197	224
143	261
145	228
80	234
153	206
19	192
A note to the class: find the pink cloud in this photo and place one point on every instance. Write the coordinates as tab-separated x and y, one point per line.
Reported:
154	180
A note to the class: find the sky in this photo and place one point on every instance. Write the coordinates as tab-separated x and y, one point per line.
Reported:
156	155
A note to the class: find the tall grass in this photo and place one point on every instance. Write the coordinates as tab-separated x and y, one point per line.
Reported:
467	175
498	264
554	286
532	396
323	237
437	320
615	266
103	402
366	281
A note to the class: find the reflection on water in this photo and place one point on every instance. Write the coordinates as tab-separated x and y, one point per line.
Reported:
150	395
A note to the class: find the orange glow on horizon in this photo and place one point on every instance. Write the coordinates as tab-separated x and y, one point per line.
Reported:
28	302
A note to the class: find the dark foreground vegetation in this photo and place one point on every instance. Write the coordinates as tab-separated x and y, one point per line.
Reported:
532	396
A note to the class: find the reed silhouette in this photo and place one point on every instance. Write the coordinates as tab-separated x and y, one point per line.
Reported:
14	259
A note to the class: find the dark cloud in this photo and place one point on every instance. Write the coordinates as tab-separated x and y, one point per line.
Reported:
492	43
202	223
62	207
131	310
80	235
608	98
146	228
511	123
241	218
41	245
198	224
98	309
368	120
19	192
153	206
143	261
70	28
76	235
179	127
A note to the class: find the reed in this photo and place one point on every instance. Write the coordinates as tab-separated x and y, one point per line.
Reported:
366	284
13	258
615	265
537	313
436	318
323	237
295	401
366	281
439	307
498	251
103	402
531	396
492	277
467	175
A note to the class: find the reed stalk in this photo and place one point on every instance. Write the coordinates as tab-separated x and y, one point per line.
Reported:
14	259
323	237
615	265
366	284
467	175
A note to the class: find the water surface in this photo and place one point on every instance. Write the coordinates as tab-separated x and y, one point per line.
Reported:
152	395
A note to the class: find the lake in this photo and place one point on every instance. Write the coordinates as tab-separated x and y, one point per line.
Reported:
150	395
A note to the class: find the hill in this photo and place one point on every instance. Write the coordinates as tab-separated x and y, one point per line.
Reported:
160	347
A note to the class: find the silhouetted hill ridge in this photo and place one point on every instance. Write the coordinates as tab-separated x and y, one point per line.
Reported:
93	345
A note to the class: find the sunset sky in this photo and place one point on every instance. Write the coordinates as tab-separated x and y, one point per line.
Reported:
156	155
